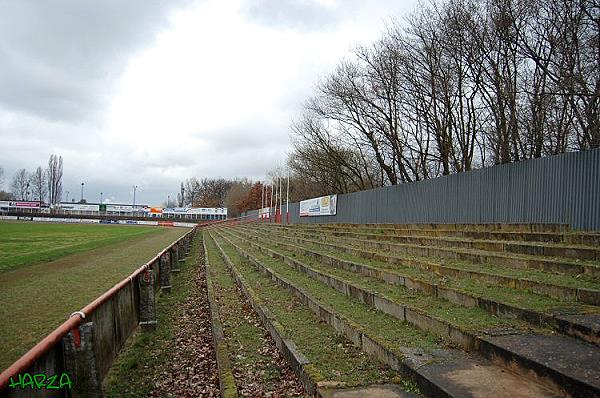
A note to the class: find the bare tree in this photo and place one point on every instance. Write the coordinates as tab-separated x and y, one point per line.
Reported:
54	174
1	177
39	184
20	185
237	193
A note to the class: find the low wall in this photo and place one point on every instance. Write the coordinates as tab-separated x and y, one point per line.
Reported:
85	346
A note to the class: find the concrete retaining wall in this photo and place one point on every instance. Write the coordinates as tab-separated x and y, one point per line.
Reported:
85	348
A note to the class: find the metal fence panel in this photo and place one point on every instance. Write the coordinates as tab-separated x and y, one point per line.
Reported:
561	189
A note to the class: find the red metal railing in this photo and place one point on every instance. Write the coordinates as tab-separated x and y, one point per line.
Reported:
52	339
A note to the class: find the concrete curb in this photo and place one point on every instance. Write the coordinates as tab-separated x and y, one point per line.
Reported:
558	323
226	379
485	346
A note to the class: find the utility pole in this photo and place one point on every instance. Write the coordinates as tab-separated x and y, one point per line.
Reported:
182	197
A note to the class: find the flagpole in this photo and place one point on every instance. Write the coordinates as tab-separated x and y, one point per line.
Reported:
271	204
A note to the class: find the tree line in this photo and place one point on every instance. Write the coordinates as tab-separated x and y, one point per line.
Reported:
462	84
41	184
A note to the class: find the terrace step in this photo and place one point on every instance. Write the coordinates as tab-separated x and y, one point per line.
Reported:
550	371
266	307
515	227
508	244
513	260
584	326
533	280
570	237
440	373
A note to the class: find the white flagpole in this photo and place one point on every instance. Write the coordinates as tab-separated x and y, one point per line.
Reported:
262	201
281	200
271	204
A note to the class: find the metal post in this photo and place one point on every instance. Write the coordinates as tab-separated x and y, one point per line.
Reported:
287	200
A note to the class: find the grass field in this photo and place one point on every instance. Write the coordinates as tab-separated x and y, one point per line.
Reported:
23	244
36	297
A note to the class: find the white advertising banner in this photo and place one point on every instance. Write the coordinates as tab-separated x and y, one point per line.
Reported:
79	207
323	206
207	210
264	213
119	208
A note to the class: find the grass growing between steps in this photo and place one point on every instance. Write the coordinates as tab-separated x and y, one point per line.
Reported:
577	281
334	357
253	362
394	332
138	366
470	319
582	280
517	297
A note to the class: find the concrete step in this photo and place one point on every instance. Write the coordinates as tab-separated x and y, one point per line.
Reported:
571	237
575	321
562	287
439	373
517	227
547	249
513	260
548	372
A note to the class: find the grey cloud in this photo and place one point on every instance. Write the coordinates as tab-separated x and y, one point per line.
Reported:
301	15
59	59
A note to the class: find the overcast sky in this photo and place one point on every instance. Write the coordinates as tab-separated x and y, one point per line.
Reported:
149	93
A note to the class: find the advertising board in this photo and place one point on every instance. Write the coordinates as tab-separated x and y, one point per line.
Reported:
264	213
322	206
79	207
205	210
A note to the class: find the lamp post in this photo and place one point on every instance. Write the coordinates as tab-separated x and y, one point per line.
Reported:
82	184
100	197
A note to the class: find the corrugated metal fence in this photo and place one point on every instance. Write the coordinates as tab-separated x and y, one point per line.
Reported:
563	189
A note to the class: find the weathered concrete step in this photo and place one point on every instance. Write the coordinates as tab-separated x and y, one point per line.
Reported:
462	227
571	237
301	366
583	326
535	249
517	261
226	378
548	373
442	373
584	295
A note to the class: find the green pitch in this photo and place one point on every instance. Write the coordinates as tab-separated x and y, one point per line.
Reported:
51	270
27	243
